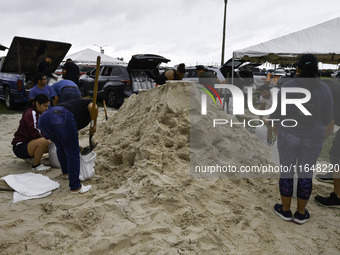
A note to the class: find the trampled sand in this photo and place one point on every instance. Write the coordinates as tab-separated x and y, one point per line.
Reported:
144	199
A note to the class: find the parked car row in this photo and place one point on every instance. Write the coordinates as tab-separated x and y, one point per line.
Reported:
116	82
191	74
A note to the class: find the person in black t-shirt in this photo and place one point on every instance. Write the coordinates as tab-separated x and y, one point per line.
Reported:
44	67
177	74
61	124
71	71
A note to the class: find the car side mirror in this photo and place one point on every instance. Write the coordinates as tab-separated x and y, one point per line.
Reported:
88	73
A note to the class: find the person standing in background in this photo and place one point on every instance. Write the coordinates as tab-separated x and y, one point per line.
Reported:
333	200
300	145
206	77
71	71
44	67
266	101
168	75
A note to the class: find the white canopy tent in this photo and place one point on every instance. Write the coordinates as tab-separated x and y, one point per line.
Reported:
322	40
89	56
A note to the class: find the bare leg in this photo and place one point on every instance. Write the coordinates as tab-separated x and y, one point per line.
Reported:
36	148
301	205
286	202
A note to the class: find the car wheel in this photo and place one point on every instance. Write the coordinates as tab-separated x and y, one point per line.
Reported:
111	98
8	99
82	90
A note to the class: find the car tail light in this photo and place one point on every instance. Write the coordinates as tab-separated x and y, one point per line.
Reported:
19	85
126	82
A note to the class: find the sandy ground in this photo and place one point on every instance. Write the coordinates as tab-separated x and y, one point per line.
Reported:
144	200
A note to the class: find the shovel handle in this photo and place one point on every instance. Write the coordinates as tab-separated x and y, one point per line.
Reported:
95	90
105	109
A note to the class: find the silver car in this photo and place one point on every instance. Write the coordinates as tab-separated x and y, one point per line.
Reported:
191	74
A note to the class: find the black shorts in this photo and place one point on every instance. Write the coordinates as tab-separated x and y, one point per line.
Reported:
21	151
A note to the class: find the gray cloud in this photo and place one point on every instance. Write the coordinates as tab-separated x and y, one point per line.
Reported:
187	31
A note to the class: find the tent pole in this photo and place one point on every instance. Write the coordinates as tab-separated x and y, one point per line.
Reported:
232	70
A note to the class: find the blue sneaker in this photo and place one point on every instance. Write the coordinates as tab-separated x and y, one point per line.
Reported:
285	215
301	218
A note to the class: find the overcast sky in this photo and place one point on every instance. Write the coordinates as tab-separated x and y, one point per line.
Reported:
188	31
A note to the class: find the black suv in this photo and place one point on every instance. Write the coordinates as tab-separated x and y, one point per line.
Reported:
243	77
116	82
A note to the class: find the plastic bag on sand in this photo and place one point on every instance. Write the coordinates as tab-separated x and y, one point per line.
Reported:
275	157
87	166
261	133
53	158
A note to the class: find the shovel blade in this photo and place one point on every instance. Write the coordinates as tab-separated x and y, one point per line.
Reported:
86	150
90	148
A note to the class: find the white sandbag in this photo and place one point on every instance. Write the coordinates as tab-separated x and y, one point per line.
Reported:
87	166
53	158
261	133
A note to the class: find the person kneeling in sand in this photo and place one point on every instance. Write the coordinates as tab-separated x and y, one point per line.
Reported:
61	124
28	141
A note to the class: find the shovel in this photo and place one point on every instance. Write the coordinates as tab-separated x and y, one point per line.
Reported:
105	110
93	145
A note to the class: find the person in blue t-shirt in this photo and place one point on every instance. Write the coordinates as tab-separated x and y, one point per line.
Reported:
300	146
40	88
64	90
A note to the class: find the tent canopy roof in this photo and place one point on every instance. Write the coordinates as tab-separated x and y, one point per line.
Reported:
89	56
322	40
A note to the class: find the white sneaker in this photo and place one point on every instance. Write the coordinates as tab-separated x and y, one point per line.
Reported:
83	189
41	168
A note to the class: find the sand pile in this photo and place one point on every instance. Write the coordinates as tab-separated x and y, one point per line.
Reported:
162	131
145	201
